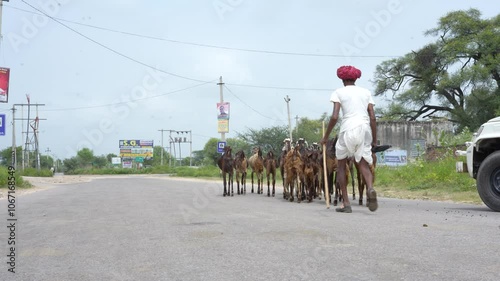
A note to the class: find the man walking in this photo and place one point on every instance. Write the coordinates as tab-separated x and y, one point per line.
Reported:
358	133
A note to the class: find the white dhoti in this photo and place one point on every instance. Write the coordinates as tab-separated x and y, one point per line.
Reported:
355	142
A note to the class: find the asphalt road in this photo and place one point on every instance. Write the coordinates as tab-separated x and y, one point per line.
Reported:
152	228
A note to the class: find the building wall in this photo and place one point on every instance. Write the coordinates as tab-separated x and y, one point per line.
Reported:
414	136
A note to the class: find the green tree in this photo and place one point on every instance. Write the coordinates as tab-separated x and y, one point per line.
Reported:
456	77
6	155
46	162
110	156
309	130
100	162
210	154
197	157
268	138
70	164
85	157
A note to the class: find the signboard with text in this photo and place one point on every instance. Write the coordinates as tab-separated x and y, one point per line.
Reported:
136	149
220	146
222	126
2	125
392	158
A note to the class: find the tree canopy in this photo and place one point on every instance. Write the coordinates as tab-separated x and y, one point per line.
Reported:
457	77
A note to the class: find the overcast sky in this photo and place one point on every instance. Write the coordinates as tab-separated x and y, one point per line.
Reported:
122	69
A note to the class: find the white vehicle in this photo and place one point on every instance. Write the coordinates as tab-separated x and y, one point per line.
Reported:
483	162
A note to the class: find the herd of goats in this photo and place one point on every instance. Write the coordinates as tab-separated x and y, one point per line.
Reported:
301	168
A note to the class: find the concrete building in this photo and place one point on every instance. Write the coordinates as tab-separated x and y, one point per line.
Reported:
414	136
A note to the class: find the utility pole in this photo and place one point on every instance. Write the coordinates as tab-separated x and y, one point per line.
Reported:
47	151
297	125
222	135
14	150
172	143
1	16
190	149
161	163
287	99
32	141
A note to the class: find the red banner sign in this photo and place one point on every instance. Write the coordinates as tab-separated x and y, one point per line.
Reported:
4	84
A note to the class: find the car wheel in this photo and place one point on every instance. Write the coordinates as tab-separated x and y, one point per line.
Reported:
488	181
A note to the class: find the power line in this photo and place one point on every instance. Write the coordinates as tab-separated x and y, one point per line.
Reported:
163	71
209	45
110	49
110	104
246	104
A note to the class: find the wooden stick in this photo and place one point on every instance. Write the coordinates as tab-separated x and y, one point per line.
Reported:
327	192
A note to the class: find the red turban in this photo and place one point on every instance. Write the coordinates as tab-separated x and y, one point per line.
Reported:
348	72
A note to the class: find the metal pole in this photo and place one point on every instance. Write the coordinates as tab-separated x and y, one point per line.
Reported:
161	146
14	150
287	99
180	155
27	149
190	149
222	135
170	149
297	126
1	16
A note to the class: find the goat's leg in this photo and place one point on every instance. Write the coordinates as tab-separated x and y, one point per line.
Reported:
274	181
285	186
231	182
244	180
224	183
258	183
268	185
238	182
262	183
252	181
299	190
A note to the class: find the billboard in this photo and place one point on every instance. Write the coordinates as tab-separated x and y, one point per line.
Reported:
4	84
223	126
392	157
2	125
136	149
223	110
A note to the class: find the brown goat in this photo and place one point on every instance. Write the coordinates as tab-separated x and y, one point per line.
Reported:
309	174
332	165
284	152
294	168
362	186
240	165
225	163
270	164
256	163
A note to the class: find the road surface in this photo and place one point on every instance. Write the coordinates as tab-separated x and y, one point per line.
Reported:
161	228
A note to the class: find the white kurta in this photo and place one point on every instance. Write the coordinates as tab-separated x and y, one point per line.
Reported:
355	135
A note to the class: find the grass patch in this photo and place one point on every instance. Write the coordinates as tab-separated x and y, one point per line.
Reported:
436	180
5	175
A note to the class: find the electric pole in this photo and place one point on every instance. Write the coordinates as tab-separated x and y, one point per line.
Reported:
287	99
1	16
32	134
222	135
14	150
297	126
172	143
161	163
